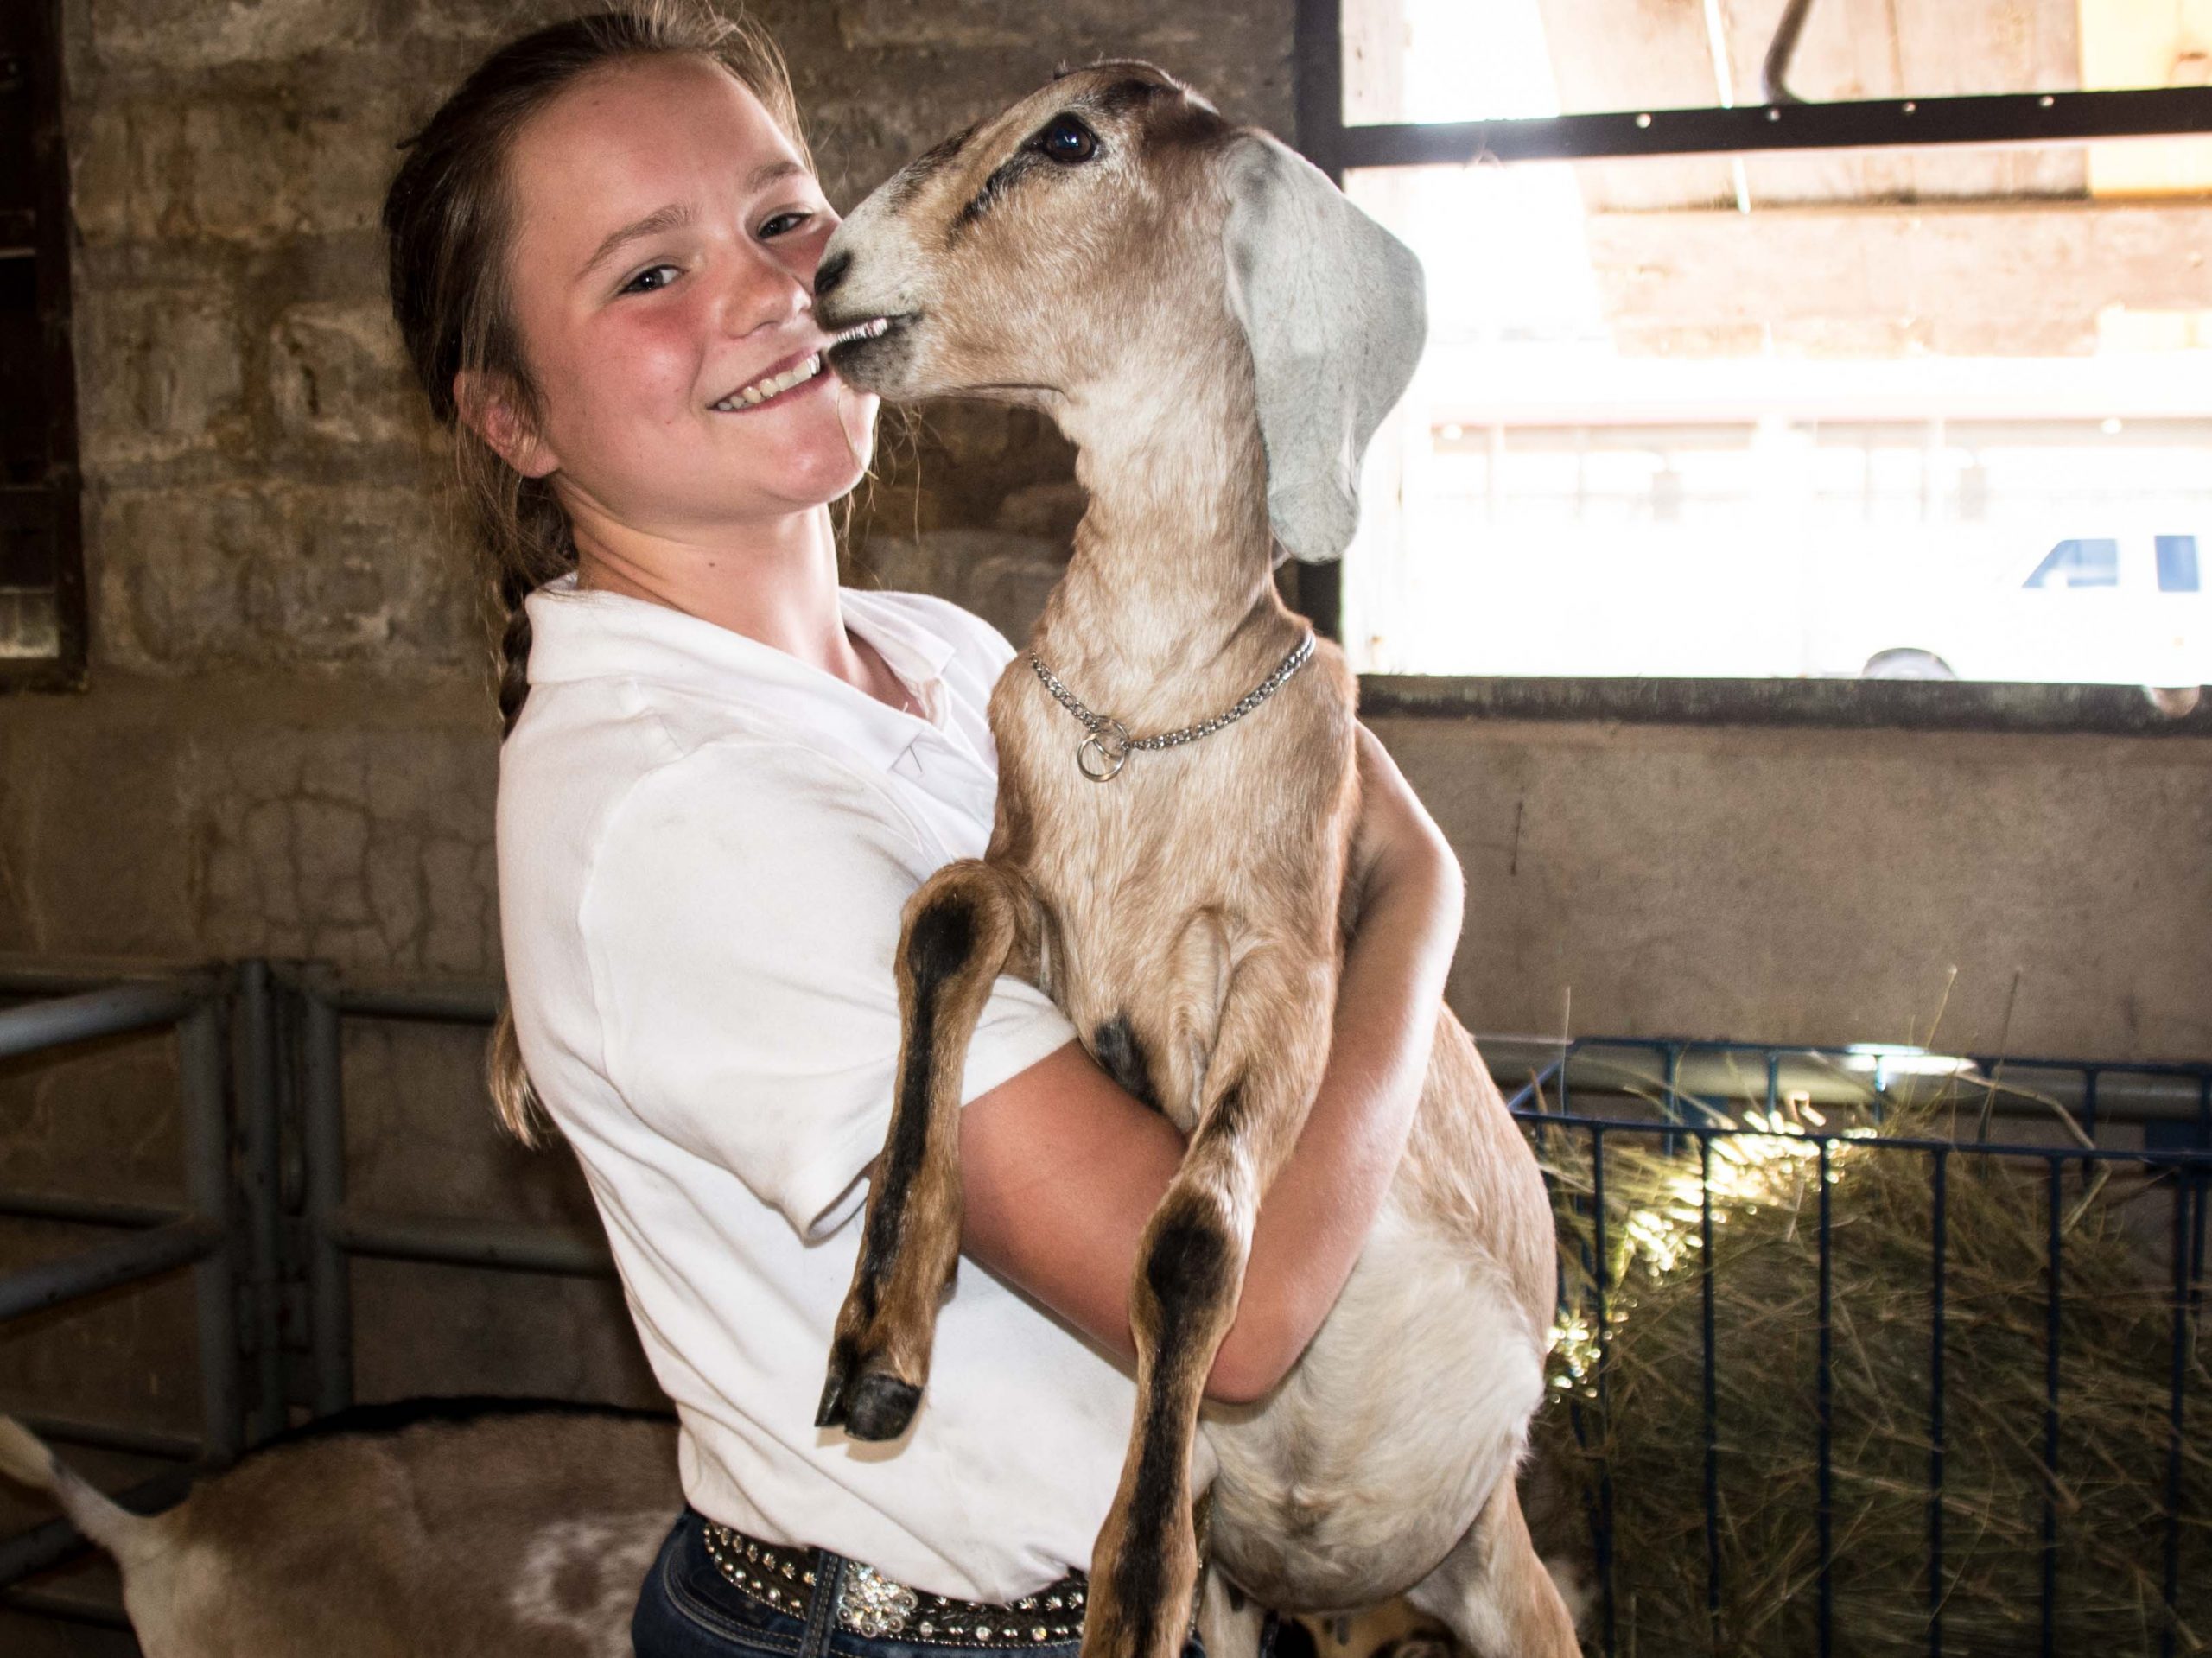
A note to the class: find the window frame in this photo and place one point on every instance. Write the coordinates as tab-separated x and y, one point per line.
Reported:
1317	69
45	228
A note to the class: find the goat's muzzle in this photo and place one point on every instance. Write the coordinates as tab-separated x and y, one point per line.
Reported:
865	353
831	272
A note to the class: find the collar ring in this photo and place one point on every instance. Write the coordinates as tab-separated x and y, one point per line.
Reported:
1101	755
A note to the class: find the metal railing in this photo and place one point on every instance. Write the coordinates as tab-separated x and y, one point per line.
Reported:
62	1012
1688	1097
336	1231
261	1069
261	1073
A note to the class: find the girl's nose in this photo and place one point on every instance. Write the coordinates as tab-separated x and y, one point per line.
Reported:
763	292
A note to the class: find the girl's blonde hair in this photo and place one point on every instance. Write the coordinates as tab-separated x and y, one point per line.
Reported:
448	223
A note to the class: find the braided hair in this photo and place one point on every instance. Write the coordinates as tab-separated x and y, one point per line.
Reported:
447	223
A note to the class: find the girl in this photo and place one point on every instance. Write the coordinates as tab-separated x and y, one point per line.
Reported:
722	775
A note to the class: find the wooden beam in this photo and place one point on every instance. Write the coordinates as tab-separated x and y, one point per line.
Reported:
1654	56
2148	43
1968	280
1375	43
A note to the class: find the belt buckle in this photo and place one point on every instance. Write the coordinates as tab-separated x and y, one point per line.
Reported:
871	1604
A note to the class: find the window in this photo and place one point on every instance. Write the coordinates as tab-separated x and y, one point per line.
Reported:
42	570
1717	388
2092	563
2177	564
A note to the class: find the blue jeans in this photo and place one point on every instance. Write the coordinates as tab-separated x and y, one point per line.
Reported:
689	1609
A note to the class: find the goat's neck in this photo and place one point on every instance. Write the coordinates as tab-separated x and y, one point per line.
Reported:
1174	558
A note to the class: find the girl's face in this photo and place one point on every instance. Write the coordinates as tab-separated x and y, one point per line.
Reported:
661	264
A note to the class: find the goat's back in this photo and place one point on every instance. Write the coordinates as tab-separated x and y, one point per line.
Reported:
517	1534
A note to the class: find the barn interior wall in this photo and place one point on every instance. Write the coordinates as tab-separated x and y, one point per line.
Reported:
286	747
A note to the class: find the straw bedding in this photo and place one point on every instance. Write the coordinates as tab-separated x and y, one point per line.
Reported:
1647	1422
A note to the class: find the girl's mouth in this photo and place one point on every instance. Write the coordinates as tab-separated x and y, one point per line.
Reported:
775	387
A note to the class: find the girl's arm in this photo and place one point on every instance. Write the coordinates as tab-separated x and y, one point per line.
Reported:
1061	1168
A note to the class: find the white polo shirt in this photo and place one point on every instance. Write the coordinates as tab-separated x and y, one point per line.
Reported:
703	848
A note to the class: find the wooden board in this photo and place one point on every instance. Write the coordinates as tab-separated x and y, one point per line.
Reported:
2003	281
2148	43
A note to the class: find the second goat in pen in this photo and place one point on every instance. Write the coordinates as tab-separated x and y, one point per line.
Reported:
1219	333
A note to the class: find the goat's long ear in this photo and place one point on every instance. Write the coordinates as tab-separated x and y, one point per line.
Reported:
1334	308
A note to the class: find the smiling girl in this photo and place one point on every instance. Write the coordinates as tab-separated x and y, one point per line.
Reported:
723	775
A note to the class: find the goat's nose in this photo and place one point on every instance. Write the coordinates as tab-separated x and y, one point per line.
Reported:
831	271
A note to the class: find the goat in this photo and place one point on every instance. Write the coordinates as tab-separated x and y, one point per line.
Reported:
1219	333
476	1526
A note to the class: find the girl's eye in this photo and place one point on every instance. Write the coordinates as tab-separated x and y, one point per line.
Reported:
650	280
783	223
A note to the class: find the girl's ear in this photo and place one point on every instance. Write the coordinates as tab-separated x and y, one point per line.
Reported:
487	404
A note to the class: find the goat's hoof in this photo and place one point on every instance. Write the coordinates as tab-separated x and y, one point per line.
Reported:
831	1412
880	1408
868	1404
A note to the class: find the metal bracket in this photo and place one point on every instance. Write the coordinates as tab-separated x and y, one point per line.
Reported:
1774	73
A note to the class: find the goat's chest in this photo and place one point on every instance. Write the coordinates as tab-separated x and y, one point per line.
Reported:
1155	886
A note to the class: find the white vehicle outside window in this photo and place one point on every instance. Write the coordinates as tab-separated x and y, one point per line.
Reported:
2123	608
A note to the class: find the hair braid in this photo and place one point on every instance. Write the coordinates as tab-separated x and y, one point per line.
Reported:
514	654
542	549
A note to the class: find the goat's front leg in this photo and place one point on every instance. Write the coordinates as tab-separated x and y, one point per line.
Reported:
968	923
1190	1271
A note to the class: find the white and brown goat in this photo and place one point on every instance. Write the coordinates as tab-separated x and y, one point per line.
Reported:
1219	333
484	1528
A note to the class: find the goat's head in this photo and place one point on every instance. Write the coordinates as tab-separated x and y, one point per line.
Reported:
1111	223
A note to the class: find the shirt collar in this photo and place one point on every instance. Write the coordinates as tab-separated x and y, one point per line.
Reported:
592	634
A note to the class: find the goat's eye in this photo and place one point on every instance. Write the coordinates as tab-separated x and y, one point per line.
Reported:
1067	141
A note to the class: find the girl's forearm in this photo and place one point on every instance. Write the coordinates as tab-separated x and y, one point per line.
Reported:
1316	1216
1061	1169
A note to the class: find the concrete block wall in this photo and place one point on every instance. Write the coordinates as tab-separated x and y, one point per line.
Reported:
2025	894
287	747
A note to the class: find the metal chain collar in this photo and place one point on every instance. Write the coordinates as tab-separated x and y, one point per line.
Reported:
1101	755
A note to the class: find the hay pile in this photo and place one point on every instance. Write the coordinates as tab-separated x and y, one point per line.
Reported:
2116	1326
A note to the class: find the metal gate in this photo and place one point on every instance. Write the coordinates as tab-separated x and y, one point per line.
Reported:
1706	1101
268	1231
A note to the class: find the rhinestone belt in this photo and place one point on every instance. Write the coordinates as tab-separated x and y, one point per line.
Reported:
869	1604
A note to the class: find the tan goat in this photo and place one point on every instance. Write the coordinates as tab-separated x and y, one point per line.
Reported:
1219	333
504	1533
